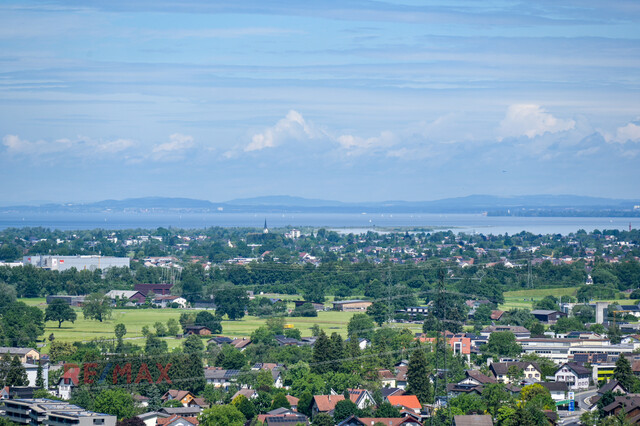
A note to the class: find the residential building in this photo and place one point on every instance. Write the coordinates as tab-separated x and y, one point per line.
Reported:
200	330
175	420
54	413
558	390
185	397
520	332
26	355
530	370
473	420
220	377
409	402
67	382
387	421
574	375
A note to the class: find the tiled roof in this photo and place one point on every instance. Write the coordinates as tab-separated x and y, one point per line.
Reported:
409	401
326	403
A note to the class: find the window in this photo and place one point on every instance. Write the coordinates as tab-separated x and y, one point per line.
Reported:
98	421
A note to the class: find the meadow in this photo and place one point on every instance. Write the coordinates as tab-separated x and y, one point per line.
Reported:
525	298
134	319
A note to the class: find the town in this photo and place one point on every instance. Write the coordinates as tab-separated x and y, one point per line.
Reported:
292	326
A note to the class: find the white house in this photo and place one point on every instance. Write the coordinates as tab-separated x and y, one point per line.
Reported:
574	375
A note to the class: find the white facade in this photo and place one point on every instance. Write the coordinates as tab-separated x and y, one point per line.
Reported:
81	263
573	380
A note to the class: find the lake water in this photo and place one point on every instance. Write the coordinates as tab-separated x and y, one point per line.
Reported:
346	222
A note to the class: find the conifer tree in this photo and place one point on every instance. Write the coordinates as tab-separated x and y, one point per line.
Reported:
39	378
337	351
17	375
321	351
418	376
623	373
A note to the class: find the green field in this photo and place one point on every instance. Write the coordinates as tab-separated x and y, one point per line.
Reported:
525	298
135	319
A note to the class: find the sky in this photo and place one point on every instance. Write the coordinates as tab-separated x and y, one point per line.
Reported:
349	100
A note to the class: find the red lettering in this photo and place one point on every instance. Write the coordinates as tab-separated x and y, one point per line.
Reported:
88	373
68	367
163	373
143	374
122	371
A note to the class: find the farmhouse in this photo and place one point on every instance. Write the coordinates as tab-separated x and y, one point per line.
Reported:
351	305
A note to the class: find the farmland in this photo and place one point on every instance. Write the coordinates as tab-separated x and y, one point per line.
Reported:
135	319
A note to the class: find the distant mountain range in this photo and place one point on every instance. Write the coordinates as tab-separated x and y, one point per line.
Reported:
524	205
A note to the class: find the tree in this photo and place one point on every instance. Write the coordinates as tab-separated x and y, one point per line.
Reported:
304	310
624	374
17	375
515	373
59	351
387	410
21	325
495	396
222	415
566	324
230	358
245	406
120	330
379	311
280	400
173	327
155	345
323	419
155	398
360	325
304	404
133	421
537	396
58	310
116	402
193	345
536	328
548	303
344	409
231	302
469	403
321	354
97	306
418	376
206	319
39	377
161	329
502	343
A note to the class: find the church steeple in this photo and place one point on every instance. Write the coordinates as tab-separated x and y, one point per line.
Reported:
265	230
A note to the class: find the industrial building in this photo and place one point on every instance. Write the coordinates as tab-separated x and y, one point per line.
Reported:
81	263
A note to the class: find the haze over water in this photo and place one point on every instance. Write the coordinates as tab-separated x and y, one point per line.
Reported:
349	222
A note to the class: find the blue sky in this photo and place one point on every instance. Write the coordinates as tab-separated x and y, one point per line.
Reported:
345	100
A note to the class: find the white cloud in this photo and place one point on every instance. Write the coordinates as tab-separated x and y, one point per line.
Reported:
630	132
358	145
174	149
293	126
78	147
531	121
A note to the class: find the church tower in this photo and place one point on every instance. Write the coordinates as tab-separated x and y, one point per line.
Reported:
265	230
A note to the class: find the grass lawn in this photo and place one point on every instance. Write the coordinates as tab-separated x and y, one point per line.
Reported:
135	319
525	298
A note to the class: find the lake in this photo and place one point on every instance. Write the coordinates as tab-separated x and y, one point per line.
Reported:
345	222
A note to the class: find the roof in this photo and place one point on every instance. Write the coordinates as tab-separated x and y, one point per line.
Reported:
391	391
495	315
248	393
344	302
555	386
409	401
577	368
326	403
480	377
181	410
473	420
220	373
72	373
501	368
175	394
293	401
285	419
511	328
174	417
123	293
390	421
610	385
15	351
543	312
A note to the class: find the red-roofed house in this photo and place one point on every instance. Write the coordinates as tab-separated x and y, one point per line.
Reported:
387	421
176	420
67	382
405	401
325	404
